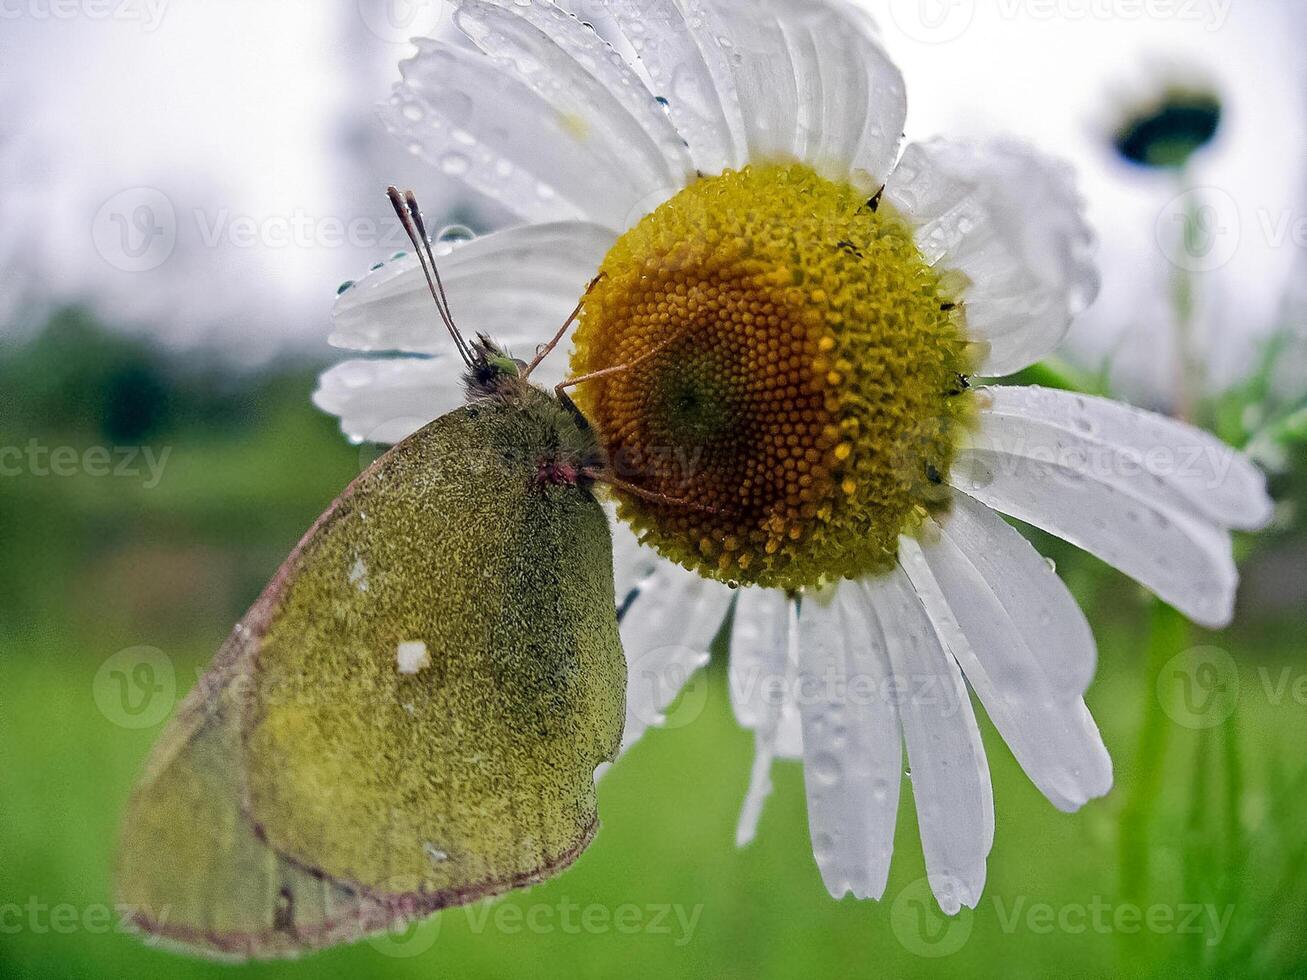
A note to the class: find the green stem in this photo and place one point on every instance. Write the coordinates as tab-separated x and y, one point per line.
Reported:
1189	368
1167	633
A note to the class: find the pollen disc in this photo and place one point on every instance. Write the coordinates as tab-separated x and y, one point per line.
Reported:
795	377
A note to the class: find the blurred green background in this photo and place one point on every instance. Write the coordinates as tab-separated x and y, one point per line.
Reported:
1192	866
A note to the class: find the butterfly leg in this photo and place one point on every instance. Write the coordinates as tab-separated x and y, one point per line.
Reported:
601	476
544	350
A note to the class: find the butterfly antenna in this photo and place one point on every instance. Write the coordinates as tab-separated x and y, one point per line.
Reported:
410	216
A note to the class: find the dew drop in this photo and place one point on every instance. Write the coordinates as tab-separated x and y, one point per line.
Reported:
826	768
822	846
976	474
456	233
454	164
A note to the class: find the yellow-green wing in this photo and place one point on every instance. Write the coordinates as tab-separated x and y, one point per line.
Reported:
414	711
191	868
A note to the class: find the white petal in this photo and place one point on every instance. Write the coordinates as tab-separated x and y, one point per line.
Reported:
760	787
691	71
465	115
617	82
750	34
949	774
1012	625
851	99
633	562
759	652
1184	559
383	401
763	678
666	632
517	285
1151	452
1011	221
469	117
853	752
603	133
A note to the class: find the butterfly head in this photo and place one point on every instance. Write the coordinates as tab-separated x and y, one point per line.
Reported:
493	371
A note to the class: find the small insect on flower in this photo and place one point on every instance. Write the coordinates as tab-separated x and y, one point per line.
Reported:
411	714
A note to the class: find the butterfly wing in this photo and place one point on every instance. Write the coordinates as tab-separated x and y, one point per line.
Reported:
411	715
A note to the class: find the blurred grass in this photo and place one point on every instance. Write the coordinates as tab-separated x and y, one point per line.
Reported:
91	565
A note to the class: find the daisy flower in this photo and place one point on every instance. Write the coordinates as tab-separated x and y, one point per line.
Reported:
797	306
1219	89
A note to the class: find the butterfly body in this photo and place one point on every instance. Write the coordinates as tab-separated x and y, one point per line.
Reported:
411	714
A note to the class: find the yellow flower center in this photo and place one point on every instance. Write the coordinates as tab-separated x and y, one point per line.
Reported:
795	383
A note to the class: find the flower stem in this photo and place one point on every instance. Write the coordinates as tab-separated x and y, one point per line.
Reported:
1167	634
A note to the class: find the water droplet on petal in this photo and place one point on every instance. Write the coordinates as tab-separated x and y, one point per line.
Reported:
456	233
826	768
454	164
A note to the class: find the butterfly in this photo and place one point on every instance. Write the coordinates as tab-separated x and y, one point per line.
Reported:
410	715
